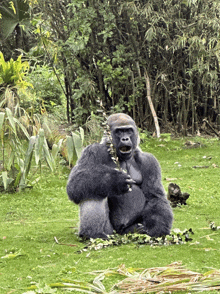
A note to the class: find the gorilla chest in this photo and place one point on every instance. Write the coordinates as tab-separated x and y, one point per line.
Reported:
131	167
126	208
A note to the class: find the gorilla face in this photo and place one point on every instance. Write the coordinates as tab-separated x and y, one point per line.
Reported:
124	134
123	141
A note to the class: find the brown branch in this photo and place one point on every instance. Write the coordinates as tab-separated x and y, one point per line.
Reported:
71	245
151	104
217	134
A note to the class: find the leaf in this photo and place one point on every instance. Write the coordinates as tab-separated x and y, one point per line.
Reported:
47	155
12	255
29	154
11	119
39	145
2	115
70	148
81	130
6	181
77	144
56	149
22	128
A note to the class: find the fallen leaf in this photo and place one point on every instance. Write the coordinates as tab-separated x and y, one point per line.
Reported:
170	179
215	165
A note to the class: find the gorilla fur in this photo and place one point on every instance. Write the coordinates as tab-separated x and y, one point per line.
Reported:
102	191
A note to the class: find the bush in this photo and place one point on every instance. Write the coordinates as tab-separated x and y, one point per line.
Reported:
46	87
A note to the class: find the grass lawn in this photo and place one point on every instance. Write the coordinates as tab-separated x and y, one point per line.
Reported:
31	219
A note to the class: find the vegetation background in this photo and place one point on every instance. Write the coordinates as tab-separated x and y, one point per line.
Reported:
156	60
130	54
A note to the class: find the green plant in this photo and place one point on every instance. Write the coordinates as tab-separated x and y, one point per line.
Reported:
12	72
176	237
74	145
16	162
46	87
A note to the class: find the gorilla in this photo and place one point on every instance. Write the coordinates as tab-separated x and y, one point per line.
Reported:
114	200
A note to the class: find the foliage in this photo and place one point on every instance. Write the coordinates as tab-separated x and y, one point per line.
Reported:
106	49
13	13
94	129
74	145
12	72
171	278
46	87
175	237
15	22
16	162
214	227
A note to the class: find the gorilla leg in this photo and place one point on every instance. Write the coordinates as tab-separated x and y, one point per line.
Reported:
94	219
157	217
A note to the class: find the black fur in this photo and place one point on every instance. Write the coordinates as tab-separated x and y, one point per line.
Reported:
106	204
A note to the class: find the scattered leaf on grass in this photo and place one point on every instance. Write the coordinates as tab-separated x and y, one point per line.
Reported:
71	245
12	255
200	166
171	278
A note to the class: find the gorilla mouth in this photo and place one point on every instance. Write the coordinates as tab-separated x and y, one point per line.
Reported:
125	149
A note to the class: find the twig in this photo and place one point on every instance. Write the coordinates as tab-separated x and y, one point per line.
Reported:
71	245
107	134
109	141
208	235
217	134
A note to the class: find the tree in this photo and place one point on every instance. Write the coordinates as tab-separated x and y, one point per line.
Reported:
105	47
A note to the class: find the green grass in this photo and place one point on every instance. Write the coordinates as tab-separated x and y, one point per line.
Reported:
30	220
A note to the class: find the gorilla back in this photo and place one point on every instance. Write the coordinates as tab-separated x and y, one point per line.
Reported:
106	202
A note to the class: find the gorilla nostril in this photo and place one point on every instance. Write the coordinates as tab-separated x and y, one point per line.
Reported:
125	139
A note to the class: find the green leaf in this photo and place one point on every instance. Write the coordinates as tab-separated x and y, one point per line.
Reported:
2	116
81	130
47	155
11	119
29	154
77	144
56	149
12	255
39	145
22	128
70	148
6	181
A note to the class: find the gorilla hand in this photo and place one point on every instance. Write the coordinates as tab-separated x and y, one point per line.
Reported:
122	182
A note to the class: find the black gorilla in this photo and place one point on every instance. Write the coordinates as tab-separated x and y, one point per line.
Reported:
106	202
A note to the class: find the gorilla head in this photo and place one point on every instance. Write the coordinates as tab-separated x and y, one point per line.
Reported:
124	134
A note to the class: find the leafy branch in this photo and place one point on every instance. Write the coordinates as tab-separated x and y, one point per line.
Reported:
214	227
108	136
176	237
167	279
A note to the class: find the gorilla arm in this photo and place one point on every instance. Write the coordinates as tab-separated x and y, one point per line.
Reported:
93	178
157	214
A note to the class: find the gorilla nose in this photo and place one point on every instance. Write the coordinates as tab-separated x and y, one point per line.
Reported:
125	139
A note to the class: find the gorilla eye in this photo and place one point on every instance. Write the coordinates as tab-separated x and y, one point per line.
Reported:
118	132
130	131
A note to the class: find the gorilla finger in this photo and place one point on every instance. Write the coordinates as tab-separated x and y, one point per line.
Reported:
130	181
